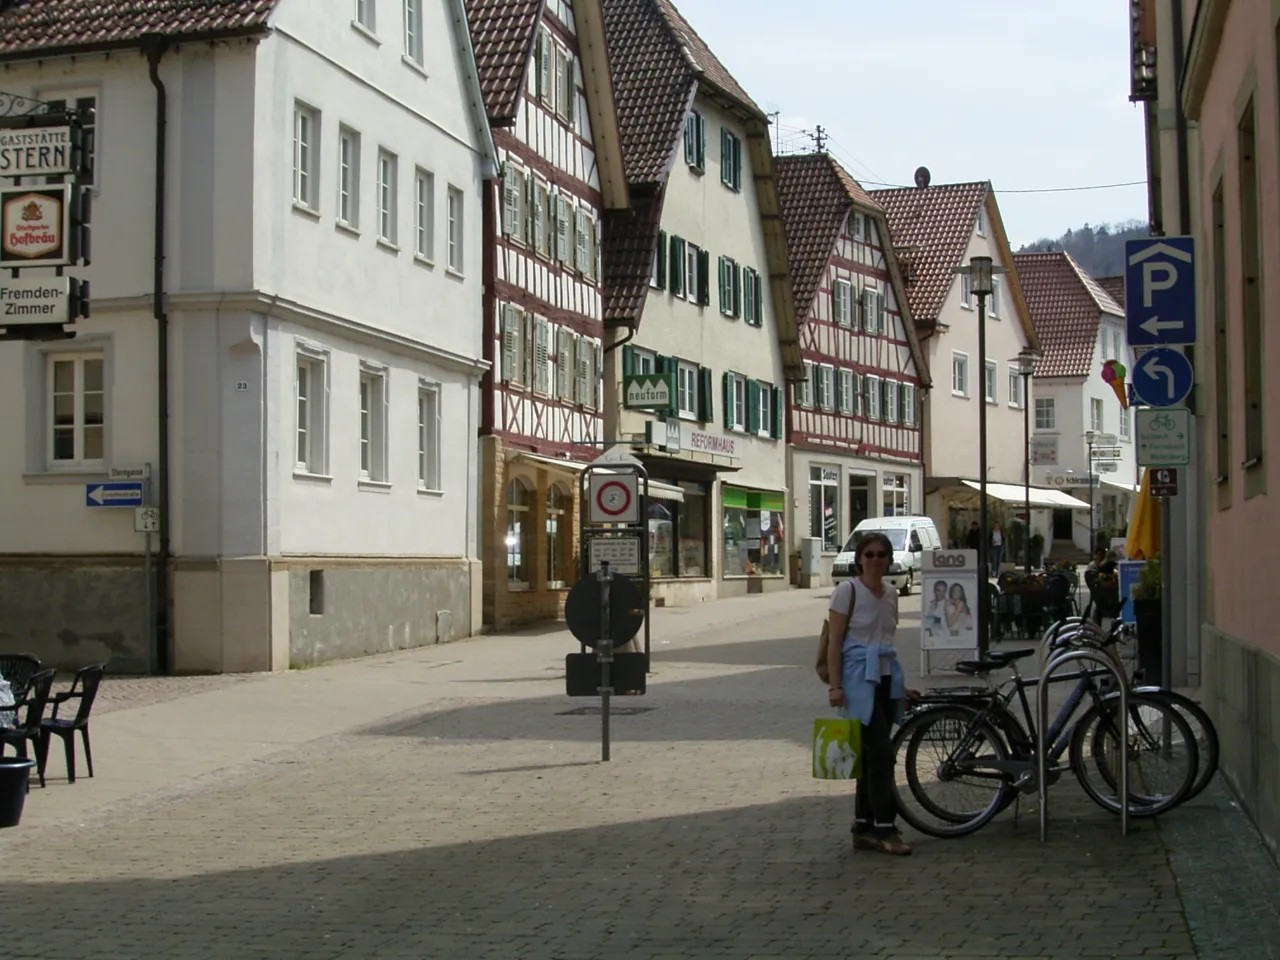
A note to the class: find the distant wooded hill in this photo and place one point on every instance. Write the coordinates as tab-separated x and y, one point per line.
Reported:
1100	249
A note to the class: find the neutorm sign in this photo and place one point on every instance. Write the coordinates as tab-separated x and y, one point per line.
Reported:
35	226
36	152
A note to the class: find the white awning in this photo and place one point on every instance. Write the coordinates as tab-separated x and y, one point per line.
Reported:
1044	499
1126	487
656	488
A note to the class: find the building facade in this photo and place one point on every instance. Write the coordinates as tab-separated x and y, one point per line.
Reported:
698	298
321	394
1224	190
545	71
1080	328
935	230
853	424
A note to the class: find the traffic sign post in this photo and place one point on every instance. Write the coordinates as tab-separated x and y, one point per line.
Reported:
1164	437
1160	291
1163	377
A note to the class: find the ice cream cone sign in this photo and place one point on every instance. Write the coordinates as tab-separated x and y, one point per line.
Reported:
1113	372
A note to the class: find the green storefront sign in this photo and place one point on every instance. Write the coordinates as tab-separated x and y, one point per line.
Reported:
648	391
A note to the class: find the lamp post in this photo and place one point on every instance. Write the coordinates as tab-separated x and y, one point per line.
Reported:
1090	438
1025	365
980	271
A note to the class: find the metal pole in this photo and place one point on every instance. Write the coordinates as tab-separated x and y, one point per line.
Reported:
983	617
1026	474
606	658
149	631
1089	467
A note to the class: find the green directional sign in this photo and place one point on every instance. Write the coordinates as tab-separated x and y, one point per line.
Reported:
648	391
1164	437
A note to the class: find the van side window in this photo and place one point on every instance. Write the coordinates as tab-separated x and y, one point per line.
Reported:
915	542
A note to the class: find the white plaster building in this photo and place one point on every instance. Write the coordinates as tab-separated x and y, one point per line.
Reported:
323	174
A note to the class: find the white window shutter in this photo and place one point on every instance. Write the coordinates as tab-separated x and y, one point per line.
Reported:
564	360
880	325
562	228
527	346
510	345
582	238
583	379
597	379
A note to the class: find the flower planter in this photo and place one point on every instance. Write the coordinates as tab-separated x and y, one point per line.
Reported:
1149	621
14	773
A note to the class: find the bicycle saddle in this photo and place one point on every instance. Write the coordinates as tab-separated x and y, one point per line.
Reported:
975	668
1009	656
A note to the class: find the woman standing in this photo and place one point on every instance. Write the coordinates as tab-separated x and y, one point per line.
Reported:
997	549
868	683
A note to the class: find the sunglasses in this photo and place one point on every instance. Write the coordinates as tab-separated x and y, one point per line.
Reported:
875	555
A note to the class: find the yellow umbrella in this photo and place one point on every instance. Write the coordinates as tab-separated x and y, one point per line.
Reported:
1144	524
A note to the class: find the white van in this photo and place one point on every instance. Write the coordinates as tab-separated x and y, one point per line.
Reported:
910	536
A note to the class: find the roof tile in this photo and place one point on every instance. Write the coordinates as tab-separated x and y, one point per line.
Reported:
939	222
502	32
42	25
1066	304
627	255
1114	286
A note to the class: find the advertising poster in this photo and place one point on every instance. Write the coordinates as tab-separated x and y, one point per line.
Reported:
1130	571
949	600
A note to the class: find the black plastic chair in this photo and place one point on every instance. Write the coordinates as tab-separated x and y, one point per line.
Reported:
39	692
85	689
17	669
1059	597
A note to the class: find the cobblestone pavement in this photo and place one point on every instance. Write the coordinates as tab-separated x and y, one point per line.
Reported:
124	693
485	827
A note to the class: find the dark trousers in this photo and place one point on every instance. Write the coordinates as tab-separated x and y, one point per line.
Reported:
876	808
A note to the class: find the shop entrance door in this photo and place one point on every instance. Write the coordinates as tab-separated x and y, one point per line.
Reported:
859	500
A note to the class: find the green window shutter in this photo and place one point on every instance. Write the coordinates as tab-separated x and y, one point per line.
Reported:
728	401
702	142
737	164
880	312
779	412
726	157
737	290
704	278
690	150
724	290
667	367
628	359
753	406
706	403
662	259
675	266
759	298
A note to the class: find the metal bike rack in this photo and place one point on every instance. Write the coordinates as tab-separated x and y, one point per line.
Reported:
1042	726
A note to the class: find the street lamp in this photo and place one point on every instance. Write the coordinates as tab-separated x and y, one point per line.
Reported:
980	271
1025	365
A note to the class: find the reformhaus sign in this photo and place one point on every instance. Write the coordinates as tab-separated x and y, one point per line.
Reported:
35	152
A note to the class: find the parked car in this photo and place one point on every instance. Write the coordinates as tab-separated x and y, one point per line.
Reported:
910	536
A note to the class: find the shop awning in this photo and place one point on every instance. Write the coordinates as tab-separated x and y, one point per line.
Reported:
1126	487
1044	499
657	489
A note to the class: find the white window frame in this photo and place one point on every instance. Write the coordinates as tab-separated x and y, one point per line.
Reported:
1016	400
348	177
687	390
366	15
803	391
1046	413
79	463
739	402
691	278
960	365
842	303
1097	417
388	184
543	219
566	85
70	98
1126	424
413	26
512	344
372	400
982	222
966	291
314	432
455	233
871	390
582	227
859	227
891	394
908	404
764	402
646	361
515	191
993	301
826	386
991	382
306	157
845	386
424	215
429	420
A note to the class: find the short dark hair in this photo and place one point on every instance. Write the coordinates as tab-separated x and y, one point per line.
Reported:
874	537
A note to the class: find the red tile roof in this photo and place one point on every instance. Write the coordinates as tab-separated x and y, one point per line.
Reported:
1066	304
938	221
817	194
503	33
1114	286
630	238
41	26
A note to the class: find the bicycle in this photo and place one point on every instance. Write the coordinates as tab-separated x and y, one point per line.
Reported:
991	746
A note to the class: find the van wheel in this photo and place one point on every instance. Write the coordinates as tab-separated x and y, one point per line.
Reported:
906	587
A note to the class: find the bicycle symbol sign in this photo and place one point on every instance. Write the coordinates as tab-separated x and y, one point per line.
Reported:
1164	437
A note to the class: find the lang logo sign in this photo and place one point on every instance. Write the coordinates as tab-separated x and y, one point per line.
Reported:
953	560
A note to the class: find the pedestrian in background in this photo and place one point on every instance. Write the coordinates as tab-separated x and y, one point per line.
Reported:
997	549
868	683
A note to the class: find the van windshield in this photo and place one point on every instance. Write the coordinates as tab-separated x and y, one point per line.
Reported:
897	537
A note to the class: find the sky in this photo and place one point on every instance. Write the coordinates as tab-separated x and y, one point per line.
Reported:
1029	94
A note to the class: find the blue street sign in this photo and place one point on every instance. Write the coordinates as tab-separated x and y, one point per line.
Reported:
1160	291
124	494
1163	377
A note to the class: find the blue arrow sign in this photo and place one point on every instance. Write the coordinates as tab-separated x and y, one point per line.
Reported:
125	494
1163	377
1160	291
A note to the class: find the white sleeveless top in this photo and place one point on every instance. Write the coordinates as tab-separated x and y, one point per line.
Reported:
874	620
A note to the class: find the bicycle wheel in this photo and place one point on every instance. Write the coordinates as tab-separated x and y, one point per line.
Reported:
945	748
1205	733
1159	777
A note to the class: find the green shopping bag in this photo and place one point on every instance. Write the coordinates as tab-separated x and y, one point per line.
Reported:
837	749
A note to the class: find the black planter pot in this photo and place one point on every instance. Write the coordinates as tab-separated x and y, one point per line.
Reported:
1150	645
14	773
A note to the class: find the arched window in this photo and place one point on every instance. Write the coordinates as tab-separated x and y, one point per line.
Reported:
558	536
518	555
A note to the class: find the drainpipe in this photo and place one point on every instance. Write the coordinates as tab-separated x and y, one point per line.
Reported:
154	47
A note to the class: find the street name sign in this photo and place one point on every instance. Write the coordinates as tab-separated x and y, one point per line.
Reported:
1163	377
125	494
1164	437
141	472
647	391
46	300
1160	291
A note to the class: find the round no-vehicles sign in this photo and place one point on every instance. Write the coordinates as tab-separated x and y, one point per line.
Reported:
615	498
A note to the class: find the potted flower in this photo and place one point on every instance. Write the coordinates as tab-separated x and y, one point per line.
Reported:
1147	594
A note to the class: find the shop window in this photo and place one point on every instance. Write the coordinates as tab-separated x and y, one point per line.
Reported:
519	556
754	544
897	495
678	534
824	506
558	530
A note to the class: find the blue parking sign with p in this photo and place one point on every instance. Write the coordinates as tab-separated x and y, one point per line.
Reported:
1160	291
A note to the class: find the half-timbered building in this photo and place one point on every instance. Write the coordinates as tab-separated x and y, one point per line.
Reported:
545	75
856	442
698	300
